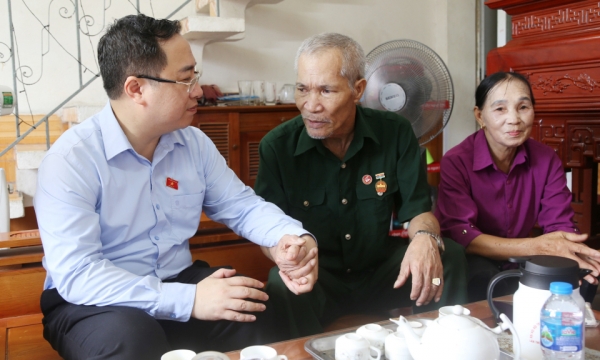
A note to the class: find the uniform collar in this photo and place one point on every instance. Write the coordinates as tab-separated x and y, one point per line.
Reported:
482	157
362	130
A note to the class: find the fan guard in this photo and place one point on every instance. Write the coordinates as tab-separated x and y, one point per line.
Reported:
410	79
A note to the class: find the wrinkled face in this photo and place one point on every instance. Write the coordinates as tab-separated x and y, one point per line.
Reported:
323	96
173	106
507	115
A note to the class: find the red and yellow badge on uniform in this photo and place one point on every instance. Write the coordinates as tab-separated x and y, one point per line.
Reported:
380	185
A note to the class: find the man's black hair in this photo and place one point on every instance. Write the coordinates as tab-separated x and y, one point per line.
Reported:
131	46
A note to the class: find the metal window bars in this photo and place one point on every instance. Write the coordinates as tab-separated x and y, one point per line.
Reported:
25	71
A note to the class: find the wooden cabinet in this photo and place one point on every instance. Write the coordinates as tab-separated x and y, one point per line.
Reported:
237	131
20	318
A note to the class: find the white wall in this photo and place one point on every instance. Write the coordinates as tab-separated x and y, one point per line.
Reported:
55	74
461	60
273	33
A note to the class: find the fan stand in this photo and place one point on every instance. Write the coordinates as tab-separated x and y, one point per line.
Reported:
433	190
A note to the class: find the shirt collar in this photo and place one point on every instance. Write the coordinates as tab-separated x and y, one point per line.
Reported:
113	137
115	141
482	157
362	130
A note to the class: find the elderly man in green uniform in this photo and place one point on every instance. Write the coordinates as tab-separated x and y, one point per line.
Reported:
342	170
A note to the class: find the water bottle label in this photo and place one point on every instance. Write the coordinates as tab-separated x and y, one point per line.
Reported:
561	331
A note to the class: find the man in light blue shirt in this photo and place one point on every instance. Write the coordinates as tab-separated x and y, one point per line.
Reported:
118	198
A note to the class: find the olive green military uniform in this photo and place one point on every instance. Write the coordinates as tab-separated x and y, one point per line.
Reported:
337	201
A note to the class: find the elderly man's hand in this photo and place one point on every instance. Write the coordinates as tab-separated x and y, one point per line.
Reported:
221	296
305	283
565	244
422	261
297	260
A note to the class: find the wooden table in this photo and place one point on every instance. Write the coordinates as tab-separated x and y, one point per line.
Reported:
294	349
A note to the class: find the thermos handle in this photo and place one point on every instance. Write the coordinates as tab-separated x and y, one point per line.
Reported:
584	272
494	281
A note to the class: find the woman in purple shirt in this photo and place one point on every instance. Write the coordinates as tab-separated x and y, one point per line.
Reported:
498	183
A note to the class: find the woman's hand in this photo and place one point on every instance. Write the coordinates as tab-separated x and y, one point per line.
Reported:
569	245
558	243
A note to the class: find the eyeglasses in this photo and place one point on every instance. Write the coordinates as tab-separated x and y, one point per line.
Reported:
190	84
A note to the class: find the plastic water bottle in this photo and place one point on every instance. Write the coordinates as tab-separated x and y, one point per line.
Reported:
562	330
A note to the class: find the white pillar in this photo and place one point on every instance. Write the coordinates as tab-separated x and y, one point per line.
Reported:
4	203
502	28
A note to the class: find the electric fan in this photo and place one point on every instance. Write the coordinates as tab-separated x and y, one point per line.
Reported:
410	79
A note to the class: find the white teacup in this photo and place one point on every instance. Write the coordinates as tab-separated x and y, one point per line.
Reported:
449	310
261	352
354	347
211	355
375	334
178	355
396	347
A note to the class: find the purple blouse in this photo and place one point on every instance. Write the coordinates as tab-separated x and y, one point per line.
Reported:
476	198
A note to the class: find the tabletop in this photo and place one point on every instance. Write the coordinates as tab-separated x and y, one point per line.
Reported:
294	349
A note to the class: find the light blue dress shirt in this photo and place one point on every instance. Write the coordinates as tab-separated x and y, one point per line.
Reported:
112	229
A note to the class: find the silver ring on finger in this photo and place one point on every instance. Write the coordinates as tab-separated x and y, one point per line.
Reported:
436	281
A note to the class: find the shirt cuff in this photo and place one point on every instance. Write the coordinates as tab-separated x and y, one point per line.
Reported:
176	302
279	233
462	234
569	229
311	235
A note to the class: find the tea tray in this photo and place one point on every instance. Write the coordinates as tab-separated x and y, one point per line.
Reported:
323	347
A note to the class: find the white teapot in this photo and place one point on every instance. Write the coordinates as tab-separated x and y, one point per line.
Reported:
457	337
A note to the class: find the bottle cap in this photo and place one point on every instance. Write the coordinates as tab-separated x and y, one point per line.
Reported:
561	288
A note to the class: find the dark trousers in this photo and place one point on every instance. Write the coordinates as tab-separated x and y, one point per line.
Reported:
121	332
481	271
335	295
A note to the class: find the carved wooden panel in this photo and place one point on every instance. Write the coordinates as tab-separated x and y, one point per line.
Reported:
584	139
573	136
566	87
561	81
551	132
565	19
